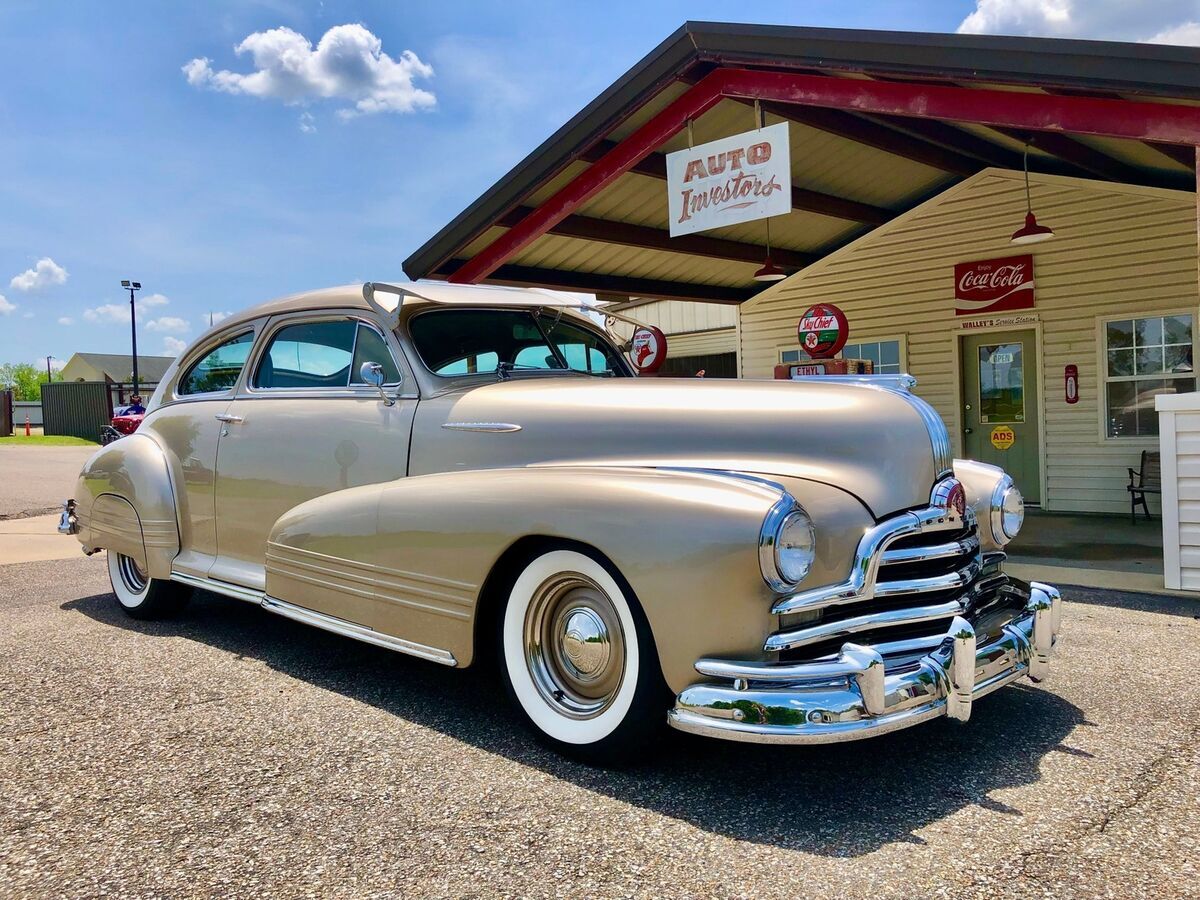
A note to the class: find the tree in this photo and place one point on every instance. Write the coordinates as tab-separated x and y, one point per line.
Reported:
24	379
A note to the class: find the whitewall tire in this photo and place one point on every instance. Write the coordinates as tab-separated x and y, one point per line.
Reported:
138	594
579	659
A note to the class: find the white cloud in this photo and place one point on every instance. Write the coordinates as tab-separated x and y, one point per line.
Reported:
1185	34
27	315
65	320
45	273
119	312
1164	21
308	124
347	64
5	306
173	346
169	324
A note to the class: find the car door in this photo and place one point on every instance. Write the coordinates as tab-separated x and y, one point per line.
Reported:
186	424
304	424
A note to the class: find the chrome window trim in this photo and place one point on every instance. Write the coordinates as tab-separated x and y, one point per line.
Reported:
194	357
350	391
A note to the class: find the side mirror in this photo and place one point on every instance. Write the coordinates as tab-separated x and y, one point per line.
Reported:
372	374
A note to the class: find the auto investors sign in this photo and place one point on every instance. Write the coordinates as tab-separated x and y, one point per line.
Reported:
993	285
736	179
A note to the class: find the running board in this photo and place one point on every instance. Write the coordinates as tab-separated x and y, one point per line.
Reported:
358	632
318	620
236	591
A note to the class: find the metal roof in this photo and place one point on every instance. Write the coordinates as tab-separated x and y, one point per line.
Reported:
852	171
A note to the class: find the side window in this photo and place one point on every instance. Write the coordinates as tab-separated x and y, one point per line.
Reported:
308	355
218	369
371	347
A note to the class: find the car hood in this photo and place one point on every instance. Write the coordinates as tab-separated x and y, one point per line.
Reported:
871	442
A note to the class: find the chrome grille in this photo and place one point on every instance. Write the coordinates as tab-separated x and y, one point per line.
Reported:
912	574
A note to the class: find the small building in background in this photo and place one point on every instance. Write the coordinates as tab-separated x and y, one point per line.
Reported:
115	368
700	336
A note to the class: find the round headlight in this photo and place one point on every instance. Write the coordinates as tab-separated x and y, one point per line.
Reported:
1008	511
789	545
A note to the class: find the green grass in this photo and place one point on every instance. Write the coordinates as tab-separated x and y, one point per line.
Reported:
45	440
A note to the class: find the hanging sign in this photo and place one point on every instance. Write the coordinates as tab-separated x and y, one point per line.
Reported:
648	349
1071	383
993	285
1003	437
823	331
736	179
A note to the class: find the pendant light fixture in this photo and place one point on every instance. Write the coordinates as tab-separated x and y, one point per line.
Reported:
1031	232
769	271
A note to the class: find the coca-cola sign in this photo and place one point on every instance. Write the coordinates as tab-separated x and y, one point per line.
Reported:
993	285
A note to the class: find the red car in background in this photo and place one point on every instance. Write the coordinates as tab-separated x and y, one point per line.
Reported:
124	422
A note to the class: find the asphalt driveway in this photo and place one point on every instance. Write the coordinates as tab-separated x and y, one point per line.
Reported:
233	753
36	480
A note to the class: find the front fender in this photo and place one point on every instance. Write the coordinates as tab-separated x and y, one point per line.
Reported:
124	502
686	541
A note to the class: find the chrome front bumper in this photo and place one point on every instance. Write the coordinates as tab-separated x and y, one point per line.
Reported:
854	696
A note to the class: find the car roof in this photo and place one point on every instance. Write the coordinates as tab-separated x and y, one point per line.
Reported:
416	294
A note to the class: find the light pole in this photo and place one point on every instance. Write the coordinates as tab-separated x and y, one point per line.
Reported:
132	286
49	377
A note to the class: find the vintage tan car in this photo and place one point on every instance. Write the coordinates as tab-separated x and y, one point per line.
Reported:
451	472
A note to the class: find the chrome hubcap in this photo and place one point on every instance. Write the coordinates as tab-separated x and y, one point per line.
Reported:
574	645
131	574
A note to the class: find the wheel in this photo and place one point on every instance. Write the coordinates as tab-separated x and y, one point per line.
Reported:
140	595
580	661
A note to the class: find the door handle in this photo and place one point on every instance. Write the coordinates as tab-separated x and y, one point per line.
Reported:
228	418
966	431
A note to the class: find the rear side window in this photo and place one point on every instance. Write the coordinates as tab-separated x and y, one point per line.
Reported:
218	369
308	355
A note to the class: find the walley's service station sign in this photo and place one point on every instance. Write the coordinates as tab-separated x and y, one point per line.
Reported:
736	179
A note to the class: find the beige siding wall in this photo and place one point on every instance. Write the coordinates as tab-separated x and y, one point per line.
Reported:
1119	251
692	329
1180	447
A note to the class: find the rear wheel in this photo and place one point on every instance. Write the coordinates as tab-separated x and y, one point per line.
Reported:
580	661
140	595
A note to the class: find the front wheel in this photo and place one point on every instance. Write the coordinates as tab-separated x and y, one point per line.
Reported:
140	595
580	660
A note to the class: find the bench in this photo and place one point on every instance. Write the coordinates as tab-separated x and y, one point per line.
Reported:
1147	480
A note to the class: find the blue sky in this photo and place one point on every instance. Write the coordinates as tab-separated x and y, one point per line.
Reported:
217	191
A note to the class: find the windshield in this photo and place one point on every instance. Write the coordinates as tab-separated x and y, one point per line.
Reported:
478	341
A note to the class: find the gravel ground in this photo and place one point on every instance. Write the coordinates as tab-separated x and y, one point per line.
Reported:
36	480
232	753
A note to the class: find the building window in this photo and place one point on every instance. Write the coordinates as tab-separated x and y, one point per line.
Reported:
1142	359
886	355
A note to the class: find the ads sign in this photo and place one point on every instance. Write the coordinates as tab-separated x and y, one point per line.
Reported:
993	285
736	179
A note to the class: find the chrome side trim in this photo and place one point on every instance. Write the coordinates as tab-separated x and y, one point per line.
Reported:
358	632
802	637
898	383
493	427
237	592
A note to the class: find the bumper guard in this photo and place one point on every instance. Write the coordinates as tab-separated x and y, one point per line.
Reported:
854	697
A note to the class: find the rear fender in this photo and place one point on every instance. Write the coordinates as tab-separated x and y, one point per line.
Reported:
124	502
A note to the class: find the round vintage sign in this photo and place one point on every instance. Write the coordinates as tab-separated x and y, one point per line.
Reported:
823	330
648	349
1003	437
